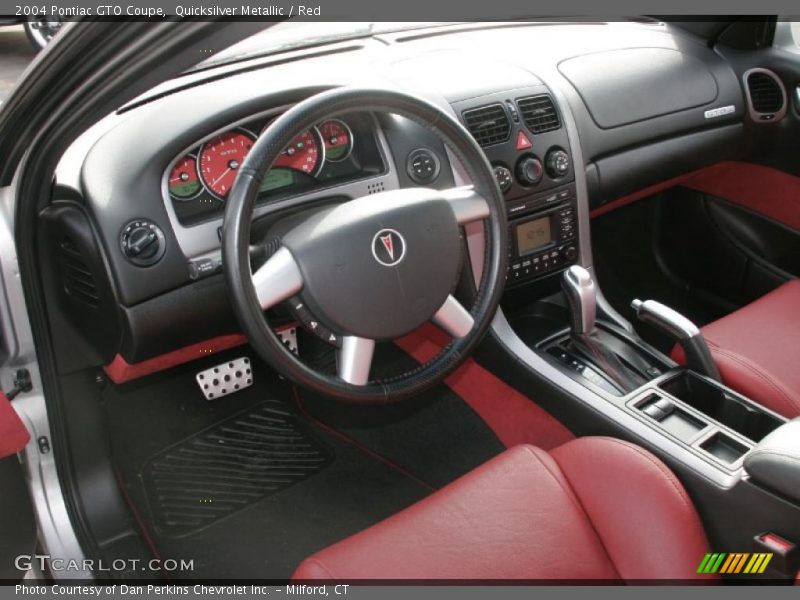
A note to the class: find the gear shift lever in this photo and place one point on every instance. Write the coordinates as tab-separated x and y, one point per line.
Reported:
582	297
586	339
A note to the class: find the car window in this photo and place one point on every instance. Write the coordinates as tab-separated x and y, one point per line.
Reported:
787	34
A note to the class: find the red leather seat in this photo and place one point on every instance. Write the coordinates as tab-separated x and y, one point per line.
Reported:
594	508
757	349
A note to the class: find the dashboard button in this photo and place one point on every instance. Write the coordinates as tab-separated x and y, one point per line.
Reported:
530	170
422	166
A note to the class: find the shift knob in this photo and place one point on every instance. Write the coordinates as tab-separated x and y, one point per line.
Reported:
581	294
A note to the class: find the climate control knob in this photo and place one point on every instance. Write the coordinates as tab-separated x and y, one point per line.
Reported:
557	163
142	242
529	170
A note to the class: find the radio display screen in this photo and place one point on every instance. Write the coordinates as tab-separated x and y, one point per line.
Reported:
533	235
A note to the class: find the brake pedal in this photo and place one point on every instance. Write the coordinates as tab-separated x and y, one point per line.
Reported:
225	378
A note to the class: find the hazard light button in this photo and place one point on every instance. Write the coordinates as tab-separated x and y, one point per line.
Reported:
523	143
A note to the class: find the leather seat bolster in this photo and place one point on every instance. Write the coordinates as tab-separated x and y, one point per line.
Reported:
757	349
507	519
640	510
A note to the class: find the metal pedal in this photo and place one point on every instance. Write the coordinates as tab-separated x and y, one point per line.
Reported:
289	338
226	378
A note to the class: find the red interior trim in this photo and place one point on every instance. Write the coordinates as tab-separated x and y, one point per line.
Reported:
513	417
767	191
119	370
770	192
643	193
14	435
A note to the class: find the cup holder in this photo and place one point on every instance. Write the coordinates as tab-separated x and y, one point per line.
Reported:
725	408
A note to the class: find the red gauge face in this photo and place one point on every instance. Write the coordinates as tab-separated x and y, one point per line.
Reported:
338	140
184	183
221	158
303	154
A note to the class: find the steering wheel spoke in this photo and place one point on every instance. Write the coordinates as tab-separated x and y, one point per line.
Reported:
354	359
454	318
277	279
467	204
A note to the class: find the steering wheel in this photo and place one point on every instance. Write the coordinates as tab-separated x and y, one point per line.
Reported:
374	268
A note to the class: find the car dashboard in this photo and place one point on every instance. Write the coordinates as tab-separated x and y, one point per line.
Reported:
140	200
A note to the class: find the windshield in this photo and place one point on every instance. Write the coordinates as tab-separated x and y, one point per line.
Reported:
290	35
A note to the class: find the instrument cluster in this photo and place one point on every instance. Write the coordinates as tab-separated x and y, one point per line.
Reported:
335	151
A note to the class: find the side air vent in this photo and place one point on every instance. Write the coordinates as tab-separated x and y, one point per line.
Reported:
765	94
539	113
77	278
488	124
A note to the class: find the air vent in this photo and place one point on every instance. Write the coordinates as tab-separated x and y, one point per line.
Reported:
488	124
76	276
765	94
539	113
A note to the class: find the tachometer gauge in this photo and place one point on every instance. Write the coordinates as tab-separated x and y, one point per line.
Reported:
338	139
220	158
304	153
184	184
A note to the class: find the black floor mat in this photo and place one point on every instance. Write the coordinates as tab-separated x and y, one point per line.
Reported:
229	466
269	537
435	436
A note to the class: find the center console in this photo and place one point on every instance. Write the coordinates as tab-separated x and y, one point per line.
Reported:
585	364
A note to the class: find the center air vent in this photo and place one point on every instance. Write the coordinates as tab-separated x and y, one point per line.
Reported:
76	276
766	95
539	113
488	124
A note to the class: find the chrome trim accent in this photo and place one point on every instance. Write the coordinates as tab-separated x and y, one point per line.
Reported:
277	279
581	291
671	321
454	318
612	408
386	240
349	132
719	112
754	114
467	204
355	359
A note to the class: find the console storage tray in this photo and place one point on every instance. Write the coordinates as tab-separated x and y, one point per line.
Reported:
714	401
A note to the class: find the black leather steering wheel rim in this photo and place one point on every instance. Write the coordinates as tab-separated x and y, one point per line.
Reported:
236	240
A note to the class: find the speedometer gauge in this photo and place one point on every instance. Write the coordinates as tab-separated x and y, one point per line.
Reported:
184	184
220	158
304	153
338	140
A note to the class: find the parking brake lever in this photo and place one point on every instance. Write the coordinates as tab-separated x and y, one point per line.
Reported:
686	333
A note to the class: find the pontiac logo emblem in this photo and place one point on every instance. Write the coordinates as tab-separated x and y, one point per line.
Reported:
388	247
